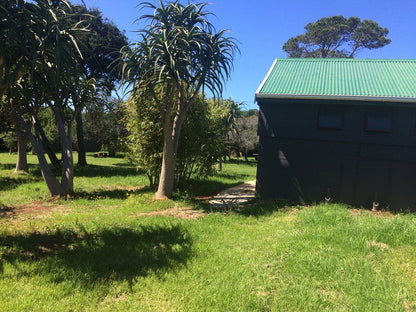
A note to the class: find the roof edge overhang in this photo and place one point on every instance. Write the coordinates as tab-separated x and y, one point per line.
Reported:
336	97
265	78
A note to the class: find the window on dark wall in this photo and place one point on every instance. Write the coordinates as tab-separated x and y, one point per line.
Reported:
380	120
331	117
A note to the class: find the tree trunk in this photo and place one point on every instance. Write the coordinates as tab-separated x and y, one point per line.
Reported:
167	173
48	146
21	163
82	159
67	178
171	133
53	184
111	152
219	164
3	85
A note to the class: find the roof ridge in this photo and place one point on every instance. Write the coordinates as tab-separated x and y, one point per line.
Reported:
344	60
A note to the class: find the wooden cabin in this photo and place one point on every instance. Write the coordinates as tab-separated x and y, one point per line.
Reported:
339	130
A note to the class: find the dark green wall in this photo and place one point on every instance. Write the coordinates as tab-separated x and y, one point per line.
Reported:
299	161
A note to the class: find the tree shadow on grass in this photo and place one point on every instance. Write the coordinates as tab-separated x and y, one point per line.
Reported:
7	183
7	166
251	162
257	207
4	211
234	176
117	193
124	165
264	207
209	187
33	168
109	254
104	171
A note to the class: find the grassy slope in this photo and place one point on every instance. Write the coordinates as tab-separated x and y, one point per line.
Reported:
93	253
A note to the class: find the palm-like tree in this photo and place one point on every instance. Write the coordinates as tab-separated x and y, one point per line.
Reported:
178	56
42	57
16	39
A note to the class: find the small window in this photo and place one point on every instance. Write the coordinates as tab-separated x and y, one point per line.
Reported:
378	120
331	118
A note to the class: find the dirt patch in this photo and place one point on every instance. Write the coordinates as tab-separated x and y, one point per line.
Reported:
409	306
119	188
203	198
38	208
381	213
382	246
177	212
291	211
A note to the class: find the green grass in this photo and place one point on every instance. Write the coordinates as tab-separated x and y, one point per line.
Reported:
94	252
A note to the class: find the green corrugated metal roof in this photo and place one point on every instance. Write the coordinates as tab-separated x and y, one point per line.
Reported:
341	78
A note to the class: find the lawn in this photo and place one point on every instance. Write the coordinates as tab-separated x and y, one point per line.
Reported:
107	249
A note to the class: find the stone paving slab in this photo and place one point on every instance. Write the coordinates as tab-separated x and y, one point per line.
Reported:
236	195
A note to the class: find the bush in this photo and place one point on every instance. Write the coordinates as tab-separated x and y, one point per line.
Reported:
200	144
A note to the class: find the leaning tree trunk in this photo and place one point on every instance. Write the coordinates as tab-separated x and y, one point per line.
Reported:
47	144
21	163
82	159
53	184
67	179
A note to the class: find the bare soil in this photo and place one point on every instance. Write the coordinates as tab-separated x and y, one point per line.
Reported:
178	212
38	208
380	213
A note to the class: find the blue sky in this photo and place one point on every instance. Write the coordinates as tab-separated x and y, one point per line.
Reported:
263	26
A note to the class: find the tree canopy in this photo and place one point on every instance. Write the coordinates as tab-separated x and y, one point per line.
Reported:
54	55
337	37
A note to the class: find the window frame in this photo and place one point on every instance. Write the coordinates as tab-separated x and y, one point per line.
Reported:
389	113
329	107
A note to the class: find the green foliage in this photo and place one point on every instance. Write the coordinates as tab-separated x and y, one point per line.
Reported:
47	121
179	47
144	142
337	37
243	137
227	112
56	54
200	144
201	141
9	140
102	126
100	46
